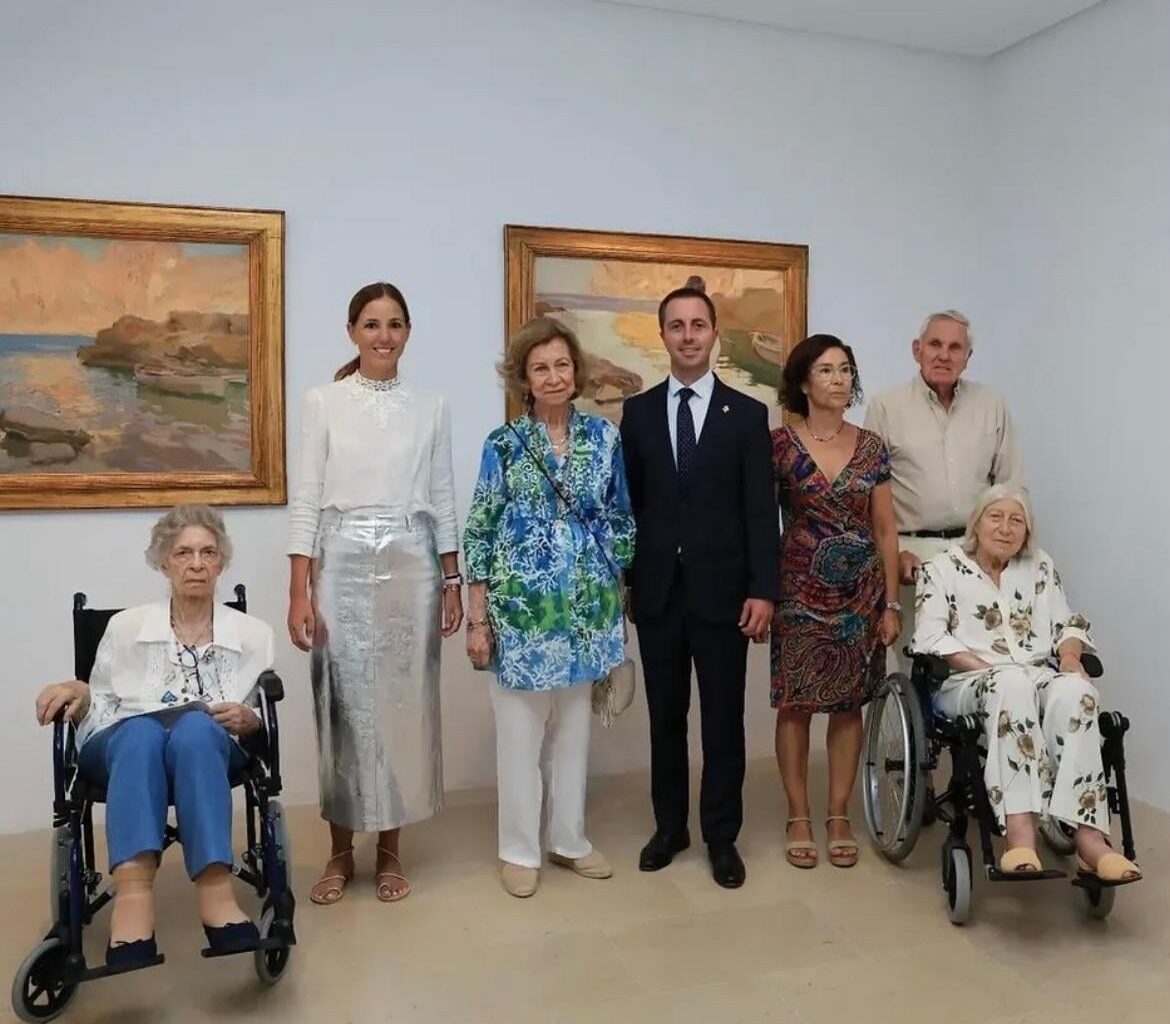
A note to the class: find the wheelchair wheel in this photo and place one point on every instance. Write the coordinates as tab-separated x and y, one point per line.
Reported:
270	963
60	853
1098	901
957	882
894	780
39	991
1058	836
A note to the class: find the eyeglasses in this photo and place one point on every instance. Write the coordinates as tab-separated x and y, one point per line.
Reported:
827	372
185	556
190	670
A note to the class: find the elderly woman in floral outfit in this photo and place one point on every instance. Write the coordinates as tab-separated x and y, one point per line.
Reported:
994	609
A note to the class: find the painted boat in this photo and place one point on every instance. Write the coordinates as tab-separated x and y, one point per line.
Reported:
177	381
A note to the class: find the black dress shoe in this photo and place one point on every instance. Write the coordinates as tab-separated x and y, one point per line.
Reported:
239	937
661	849
129	956
726	865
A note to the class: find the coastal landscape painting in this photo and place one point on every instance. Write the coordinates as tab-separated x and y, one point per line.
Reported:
607	286
141	355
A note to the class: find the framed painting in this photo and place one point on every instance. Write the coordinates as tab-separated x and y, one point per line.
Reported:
141	355
607	286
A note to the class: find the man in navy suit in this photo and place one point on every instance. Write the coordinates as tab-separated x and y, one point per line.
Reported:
704	578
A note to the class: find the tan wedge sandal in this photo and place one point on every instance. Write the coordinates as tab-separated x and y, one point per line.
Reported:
843	853
1020	860
1112	867
800	853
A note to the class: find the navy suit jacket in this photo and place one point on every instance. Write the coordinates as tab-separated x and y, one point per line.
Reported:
721	528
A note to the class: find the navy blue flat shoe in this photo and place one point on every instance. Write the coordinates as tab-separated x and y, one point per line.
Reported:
240	937
129	956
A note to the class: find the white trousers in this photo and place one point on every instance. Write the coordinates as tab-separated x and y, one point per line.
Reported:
1043	744
542	754
925	548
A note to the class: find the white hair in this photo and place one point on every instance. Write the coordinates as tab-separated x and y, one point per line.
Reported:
166	531
1001	492
948	314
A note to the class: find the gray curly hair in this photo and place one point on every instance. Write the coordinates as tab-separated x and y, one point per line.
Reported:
166	531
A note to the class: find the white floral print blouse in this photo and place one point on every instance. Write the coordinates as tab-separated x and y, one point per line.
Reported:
1022	621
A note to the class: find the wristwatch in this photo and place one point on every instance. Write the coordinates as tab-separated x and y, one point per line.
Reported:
894	606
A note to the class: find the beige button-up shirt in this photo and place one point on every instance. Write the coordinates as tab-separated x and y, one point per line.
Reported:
941	460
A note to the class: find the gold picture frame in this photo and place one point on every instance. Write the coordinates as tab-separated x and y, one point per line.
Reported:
607	285
141	355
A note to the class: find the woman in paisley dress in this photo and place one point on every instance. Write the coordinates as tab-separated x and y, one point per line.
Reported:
993	606
374	585
838	606
549	532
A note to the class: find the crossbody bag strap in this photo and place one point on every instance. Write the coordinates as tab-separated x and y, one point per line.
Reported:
614	571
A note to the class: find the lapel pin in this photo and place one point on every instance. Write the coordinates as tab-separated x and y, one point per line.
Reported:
727	408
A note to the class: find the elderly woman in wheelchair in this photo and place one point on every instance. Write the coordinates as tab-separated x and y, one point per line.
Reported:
994	609
173	690
1000	682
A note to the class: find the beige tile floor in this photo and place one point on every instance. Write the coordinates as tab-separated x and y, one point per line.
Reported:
792	947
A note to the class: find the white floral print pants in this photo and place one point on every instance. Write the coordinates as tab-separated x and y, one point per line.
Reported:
1043	744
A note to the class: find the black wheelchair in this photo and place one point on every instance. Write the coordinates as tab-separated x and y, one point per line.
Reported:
904	738
49	976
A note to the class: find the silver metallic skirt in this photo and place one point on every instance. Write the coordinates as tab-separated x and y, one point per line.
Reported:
377	589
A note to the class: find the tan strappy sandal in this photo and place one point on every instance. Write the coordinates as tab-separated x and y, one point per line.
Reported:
843	853
329	888
800	853
385	891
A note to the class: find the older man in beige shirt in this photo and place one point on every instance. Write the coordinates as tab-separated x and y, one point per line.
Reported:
948	439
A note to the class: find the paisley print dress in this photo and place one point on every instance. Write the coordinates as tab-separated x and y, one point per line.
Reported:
825	650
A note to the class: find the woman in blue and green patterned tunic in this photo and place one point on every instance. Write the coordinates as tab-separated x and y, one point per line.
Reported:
549	532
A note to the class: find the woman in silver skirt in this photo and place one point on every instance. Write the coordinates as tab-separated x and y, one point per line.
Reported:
374	584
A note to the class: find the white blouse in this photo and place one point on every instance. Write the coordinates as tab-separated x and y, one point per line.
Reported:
140	668
373	444
1022	621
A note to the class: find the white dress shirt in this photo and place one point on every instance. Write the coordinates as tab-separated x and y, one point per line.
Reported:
138	668
703	388
364	446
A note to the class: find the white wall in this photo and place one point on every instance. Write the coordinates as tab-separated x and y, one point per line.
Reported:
400	138
1078	309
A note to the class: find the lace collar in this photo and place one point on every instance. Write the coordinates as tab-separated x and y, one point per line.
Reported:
369	384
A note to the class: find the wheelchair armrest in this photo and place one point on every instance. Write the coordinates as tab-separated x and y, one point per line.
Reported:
272	688
931	668
272	685
64	759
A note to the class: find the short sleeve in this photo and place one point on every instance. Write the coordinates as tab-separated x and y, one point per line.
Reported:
882	475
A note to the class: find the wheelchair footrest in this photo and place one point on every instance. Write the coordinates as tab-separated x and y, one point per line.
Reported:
266	945
994	874
93	973
1085	880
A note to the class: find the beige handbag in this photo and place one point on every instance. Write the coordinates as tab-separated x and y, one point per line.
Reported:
614	692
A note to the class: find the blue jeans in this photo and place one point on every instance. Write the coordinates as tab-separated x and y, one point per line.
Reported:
145	764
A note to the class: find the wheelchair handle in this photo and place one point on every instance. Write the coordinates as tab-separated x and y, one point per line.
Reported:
1092	665
272	685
